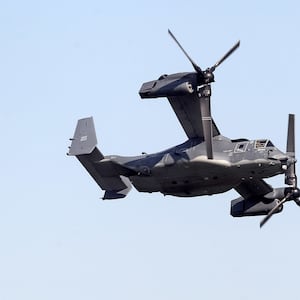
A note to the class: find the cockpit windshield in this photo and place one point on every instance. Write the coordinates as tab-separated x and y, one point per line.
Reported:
263	144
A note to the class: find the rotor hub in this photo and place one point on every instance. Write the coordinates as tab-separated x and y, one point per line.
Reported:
208	76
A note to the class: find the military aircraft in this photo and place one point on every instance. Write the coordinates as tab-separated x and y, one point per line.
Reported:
207	163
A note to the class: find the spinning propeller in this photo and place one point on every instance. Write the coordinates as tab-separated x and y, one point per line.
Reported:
204	78
292	192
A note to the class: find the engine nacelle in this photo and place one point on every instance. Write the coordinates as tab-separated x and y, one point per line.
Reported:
169	85
253	206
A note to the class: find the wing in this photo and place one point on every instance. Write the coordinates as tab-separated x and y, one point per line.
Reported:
188	112
253	188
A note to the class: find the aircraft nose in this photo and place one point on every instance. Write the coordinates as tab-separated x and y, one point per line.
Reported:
278	156
281	158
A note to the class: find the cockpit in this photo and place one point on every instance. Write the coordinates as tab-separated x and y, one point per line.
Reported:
260	144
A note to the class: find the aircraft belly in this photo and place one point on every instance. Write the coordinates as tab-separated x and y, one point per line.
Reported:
188	179
198	180
201	176
145	184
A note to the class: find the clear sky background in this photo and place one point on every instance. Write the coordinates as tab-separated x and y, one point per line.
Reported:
64	60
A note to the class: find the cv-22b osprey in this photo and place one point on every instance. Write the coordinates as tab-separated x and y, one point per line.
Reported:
207	163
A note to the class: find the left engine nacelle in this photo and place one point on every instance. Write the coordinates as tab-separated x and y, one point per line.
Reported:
169	85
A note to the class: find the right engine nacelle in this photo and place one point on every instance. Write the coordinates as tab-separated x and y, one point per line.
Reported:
252	207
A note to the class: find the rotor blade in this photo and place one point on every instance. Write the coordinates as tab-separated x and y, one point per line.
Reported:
196	67
205	93
225	56
290	149
290	145
274	210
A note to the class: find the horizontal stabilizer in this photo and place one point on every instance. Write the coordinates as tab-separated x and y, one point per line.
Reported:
84	140
118	193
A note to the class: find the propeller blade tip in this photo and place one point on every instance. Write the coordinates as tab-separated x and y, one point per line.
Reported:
261	224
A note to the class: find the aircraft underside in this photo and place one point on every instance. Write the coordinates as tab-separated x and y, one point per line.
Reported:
202	178
188	187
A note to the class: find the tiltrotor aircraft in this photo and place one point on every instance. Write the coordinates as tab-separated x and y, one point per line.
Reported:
207	163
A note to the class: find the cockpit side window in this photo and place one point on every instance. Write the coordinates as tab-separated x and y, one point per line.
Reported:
241	147
260	144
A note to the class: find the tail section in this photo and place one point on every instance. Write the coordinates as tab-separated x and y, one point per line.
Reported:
84	140
84	148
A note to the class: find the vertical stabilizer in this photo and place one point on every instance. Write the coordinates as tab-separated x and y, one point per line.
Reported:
84	140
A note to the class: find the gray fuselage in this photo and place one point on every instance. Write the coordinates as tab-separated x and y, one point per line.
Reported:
185	171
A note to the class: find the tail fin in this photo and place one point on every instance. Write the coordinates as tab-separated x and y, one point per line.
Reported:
84	140
84	148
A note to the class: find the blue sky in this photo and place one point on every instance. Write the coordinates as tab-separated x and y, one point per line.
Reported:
63	60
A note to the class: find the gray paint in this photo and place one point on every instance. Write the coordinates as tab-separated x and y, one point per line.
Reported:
207	163
183	170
